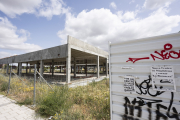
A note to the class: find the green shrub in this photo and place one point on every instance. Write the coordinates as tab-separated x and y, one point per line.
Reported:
4	86
26	101
79	103
55	101
93	83
45	69
69	116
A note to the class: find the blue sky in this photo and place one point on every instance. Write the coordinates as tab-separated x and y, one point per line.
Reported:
31	25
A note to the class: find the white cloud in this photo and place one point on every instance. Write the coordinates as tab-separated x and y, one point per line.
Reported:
99	26
113	5
132	1
128	15
54	7
18	7
5	54
14	39
45	8
154	4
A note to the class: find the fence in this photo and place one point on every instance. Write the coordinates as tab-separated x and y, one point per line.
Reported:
56	71
67	102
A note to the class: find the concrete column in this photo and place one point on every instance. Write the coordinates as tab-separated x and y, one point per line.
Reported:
94	69
71	69
97	66
38	66
65	67
7	68
29	68
52	68
106	67
3	66
86	67
20	68
78	69
68	63
42	67
26	68
60	69
74	67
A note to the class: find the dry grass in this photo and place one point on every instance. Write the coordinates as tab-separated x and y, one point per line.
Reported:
89	102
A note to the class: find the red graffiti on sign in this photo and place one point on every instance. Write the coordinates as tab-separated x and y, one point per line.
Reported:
136	59
163	55
166	54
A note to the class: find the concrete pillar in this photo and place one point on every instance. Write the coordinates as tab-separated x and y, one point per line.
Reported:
98	66
94	69
38	66
68	64
74	67
42	67
65	67
86	67
78	69
26	68
81	67
7	68
20	68
52	68
3	66
29	68
106	67
60	69
71	69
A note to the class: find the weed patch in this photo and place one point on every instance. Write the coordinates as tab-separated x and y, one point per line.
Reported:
4	86
26	101
89	102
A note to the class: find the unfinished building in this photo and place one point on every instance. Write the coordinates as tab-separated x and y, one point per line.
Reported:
65	62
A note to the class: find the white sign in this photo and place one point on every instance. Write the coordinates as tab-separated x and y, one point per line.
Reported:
129	84
163	78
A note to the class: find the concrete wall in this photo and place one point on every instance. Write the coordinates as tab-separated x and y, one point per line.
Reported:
50	53
85	47
55	52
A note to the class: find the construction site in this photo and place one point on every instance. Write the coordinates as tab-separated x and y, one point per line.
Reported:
64	64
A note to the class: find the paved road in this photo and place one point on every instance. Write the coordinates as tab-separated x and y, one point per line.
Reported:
11	111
